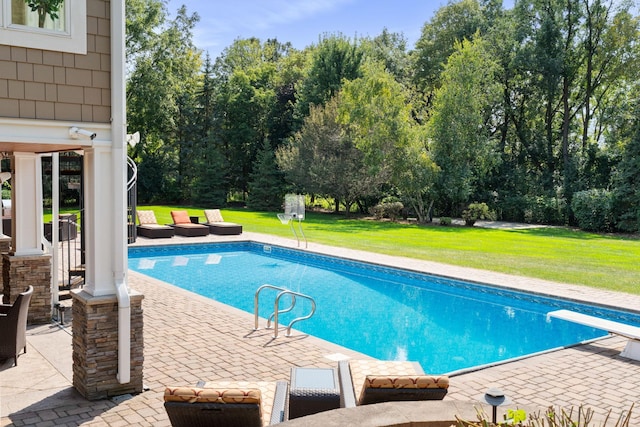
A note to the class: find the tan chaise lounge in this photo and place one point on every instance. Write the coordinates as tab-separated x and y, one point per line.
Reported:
217	225
373	381
227	403
150	228
184	227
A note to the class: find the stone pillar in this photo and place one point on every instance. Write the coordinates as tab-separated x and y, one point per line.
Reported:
18	272
95	345
5	246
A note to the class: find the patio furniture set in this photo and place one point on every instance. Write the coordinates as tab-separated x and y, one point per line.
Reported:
185	225
308	391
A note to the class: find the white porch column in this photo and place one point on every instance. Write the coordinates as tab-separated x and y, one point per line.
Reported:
99	224
26	204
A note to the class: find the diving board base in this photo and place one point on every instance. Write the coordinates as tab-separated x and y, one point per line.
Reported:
632	350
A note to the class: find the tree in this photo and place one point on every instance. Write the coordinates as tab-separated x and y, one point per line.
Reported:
322	159
390	49
143	19
253	102
161	103
416	177
450	24
626	196
334	60
210	188
460	142
374	110
266	188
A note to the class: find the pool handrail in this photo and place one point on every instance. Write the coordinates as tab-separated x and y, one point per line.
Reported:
277	311
286	310
297	319
256	298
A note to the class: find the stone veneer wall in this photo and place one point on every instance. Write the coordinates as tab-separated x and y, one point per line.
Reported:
95	345
5	246
18	272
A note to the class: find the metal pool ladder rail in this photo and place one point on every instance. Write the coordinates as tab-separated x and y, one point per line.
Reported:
276	308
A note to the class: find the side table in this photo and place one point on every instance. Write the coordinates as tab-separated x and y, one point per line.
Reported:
313	390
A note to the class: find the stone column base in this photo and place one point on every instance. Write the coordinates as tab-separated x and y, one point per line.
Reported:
18	272
95	345
5	247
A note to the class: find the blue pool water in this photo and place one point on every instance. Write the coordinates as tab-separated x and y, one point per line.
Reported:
386	313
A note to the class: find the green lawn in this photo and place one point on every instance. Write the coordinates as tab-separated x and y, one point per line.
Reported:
557	254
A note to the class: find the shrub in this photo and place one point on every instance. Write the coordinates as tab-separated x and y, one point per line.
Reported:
445	220
552	417
593	209
549	210
477	211
511	208
391	210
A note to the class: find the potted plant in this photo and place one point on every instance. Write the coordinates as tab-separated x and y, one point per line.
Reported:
44	8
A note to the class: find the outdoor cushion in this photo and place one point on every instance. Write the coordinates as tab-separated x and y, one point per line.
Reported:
211	395
146	217
213	215
360	369
180	217
416	381
416	387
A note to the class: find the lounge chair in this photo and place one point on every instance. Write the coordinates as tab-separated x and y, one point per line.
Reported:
13	326
371	381
150	228
184	227
217	225
227	403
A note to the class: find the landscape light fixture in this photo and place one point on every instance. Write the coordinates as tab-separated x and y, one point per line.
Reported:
495	397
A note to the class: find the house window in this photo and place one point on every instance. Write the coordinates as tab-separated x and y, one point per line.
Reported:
58	25
47	14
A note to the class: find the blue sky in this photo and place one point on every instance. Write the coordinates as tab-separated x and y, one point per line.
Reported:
301	22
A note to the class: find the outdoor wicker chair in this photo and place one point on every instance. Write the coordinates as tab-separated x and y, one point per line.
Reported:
217	225
364	382
149	226
184	227
13	326
228	404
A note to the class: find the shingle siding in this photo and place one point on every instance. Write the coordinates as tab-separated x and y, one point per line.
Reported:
42	84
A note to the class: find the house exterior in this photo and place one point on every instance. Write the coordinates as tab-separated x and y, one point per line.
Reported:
62	89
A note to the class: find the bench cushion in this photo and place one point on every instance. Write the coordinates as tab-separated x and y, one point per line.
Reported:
212	395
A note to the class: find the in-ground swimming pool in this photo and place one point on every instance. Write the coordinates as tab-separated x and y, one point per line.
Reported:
387	313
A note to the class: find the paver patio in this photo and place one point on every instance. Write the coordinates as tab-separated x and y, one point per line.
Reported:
189	338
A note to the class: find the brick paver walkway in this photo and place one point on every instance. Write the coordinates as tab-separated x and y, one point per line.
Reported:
190	338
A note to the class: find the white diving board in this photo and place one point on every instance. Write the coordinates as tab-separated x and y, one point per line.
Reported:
631	351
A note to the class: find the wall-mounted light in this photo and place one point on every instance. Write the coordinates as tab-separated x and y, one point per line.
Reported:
133	139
